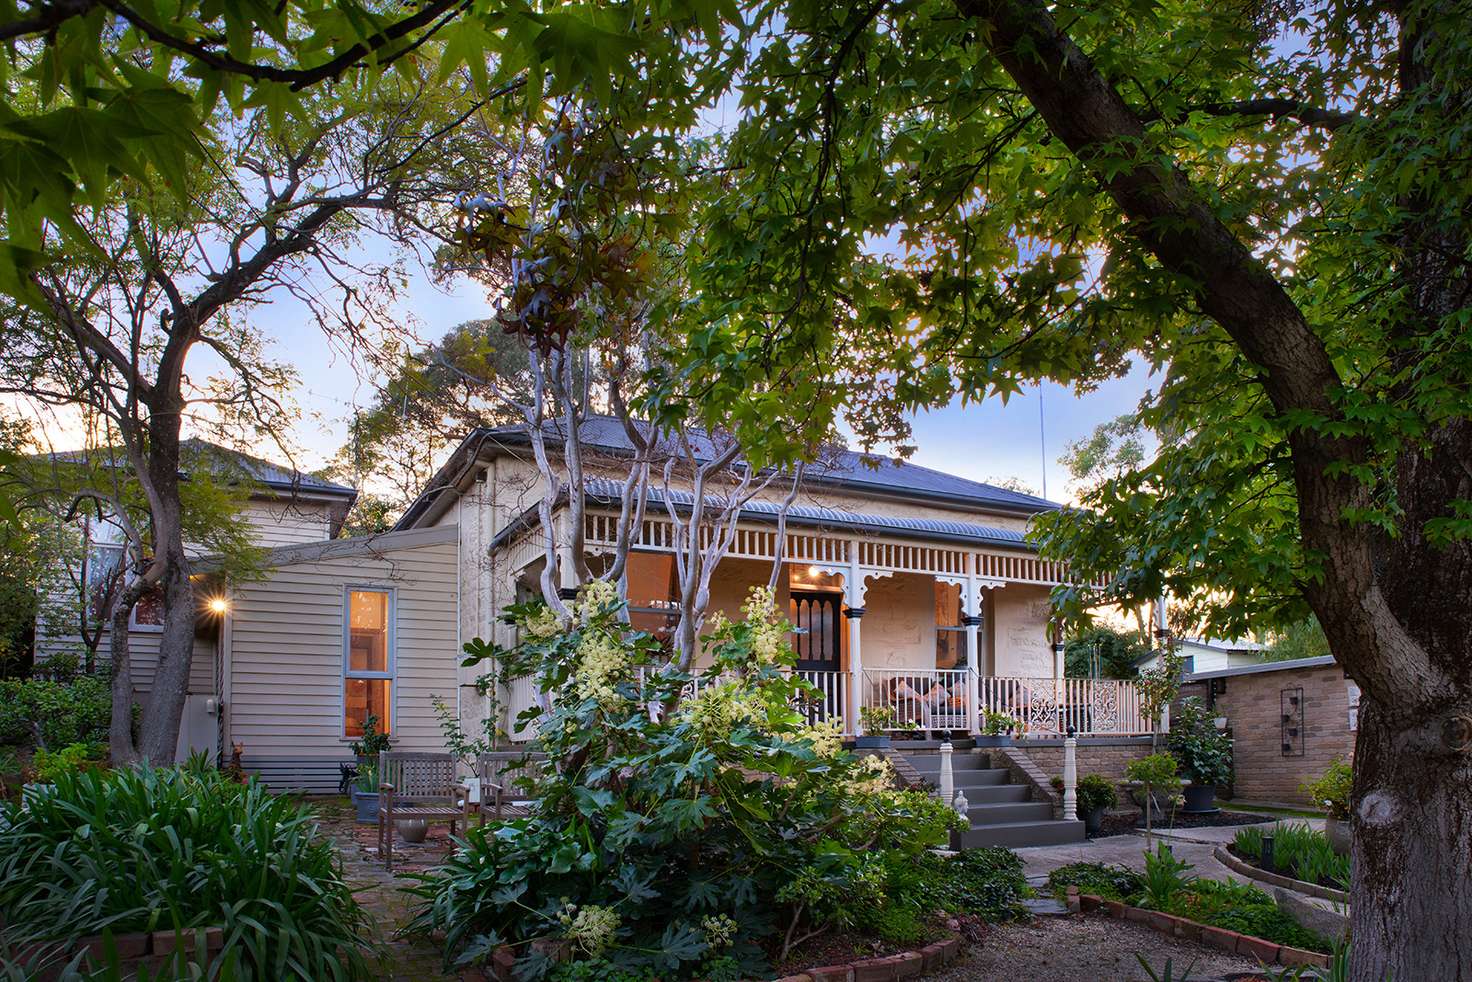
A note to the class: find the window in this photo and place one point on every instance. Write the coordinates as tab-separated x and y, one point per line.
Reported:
368	662
950	633
102	563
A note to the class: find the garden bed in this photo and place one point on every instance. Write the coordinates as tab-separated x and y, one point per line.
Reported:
1263	950
1301	855
1229	857
1127	823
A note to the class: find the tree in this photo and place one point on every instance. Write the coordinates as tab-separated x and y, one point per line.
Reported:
1271	208
1302	640
110	333
1115	653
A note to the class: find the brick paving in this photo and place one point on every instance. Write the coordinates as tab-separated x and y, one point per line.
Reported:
380	892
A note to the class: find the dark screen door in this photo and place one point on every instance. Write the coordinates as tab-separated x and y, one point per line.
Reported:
817	617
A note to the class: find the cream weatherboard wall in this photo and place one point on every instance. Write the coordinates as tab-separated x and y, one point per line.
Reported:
284	650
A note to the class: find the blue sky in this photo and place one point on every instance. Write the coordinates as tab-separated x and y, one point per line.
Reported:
984	440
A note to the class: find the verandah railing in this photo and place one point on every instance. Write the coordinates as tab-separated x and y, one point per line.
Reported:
940	700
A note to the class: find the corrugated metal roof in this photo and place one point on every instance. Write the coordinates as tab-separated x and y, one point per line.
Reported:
197	454
608	492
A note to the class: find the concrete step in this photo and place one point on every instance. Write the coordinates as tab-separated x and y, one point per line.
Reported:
1008	812
1018	835
989	778
930	763
995	794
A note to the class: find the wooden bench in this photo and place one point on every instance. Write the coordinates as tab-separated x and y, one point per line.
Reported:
416	786
498	771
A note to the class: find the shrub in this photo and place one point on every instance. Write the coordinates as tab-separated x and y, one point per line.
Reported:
49	765
1202	752
994	723
142	849
988	883
1156	770
1245	909
62	713
1099	879
1333	790
1095	791
1165	876
706	837
1299	851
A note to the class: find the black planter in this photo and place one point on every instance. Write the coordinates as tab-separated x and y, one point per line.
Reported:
994	740
1094	820
1200	798
870	741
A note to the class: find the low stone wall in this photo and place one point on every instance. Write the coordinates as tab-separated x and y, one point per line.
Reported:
153	951
1108	756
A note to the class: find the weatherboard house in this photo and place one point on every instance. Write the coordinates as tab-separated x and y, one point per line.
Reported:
910	589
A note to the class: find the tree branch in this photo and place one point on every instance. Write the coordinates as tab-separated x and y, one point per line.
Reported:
1309	115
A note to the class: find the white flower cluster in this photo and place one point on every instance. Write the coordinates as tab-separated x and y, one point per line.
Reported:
602	661
720	931
591	928
872	775
593	597
826	738
718	709
768	632
542	625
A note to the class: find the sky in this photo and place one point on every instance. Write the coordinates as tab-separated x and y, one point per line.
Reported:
981	440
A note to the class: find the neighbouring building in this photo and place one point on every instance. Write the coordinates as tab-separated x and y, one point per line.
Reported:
1211	654
1288	721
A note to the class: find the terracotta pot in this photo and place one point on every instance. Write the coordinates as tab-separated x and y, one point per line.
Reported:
1337	831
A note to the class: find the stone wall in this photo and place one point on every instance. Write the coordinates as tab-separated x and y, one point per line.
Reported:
1253	702
1095	755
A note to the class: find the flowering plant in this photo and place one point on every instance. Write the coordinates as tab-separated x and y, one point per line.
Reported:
689	827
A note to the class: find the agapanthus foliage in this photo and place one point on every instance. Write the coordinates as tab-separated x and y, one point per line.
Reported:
691	828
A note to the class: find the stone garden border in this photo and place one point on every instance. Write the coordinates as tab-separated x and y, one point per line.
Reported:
885	968
1266	952
1241	866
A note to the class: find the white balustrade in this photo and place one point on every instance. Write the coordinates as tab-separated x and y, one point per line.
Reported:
921	699
1047	707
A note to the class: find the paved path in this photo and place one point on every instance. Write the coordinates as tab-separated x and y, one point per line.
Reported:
379	891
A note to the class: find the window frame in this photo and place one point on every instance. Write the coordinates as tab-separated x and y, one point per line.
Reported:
392	659
94	546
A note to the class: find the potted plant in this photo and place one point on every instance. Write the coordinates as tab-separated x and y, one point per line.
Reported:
1096	795
996	729
1202	752
372	743
1332	791
1156	785
876	721
365	792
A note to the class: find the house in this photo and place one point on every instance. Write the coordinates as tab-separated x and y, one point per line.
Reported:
1212	654
910	588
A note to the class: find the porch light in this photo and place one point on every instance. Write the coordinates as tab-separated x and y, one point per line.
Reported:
218	605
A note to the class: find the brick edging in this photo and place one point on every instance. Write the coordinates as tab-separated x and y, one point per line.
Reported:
886	968
1266	952
134	949
1225	856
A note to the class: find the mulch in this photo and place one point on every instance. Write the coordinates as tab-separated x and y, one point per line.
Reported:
1127	823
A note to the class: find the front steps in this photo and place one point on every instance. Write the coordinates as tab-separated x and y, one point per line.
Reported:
1002	813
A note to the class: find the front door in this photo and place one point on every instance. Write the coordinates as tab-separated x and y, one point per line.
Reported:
817	618
818	643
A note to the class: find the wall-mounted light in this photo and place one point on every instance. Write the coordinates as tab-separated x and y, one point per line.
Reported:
218	605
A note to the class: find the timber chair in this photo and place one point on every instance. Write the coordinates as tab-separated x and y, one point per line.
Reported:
498	771
416	786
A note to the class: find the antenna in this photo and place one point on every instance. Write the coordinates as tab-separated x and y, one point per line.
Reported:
1042	438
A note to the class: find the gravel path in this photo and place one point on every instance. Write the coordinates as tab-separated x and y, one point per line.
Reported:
1086	948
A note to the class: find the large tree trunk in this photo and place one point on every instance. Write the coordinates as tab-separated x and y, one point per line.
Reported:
121	747
159	737
1396	611
1411	896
